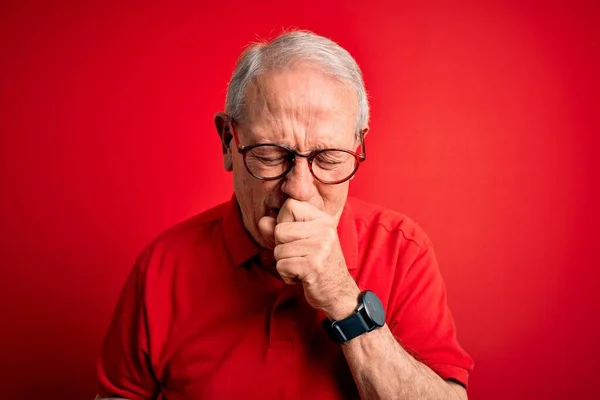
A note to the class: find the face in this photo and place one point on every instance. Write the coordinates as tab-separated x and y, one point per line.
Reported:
305	110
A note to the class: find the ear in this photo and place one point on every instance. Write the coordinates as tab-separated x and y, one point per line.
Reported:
222	123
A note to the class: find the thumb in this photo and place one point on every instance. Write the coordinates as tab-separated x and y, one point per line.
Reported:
266	227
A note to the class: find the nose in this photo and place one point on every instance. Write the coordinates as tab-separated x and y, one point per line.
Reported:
299	183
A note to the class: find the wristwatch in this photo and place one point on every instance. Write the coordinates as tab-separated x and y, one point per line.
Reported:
369	315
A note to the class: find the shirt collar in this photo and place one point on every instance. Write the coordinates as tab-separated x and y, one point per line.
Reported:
241	247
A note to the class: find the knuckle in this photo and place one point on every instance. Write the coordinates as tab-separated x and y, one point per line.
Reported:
326	245
277	253
310	280
278	231
280	266
312	261
330	234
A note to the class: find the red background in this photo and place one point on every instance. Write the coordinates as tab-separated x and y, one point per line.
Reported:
485	130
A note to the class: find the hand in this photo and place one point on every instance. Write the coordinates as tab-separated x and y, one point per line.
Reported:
307	249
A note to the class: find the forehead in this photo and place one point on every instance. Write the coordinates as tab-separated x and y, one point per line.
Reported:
302	107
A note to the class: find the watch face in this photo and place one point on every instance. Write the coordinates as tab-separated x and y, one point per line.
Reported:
374	308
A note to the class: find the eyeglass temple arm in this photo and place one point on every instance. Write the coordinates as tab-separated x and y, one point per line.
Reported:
364	148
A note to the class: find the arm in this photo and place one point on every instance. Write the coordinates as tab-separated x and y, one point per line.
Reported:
307	249
382	369
123	367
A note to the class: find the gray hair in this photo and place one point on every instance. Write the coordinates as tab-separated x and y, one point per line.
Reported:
291	47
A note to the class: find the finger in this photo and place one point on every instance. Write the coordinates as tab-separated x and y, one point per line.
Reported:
286	232
266	227
295	210
298	248
292	270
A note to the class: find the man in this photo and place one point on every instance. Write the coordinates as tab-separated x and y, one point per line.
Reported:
291	289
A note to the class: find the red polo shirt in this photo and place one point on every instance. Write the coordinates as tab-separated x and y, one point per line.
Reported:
203	315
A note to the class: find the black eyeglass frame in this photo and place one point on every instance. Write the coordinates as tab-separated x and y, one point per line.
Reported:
243	150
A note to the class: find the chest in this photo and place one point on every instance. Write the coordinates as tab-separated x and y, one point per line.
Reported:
266	345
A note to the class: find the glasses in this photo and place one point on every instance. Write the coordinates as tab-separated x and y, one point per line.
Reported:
268	162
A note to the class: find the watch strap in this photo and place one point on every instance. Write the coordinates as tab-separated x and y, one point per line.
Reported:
369	315
348	328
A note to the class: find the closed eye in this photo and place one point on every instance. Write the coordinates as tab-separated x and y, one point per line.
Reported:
331	159
270	160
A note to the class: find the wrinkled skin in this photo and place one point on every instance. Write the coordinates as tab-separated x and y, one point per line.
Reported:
297	215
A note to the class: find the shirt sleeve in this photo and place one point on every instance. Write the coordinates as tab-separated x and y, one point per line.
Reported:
123	368
422	322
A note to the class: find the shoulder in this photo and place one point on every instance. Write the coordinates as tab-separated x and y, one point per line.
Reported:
184	238
199	226
378	220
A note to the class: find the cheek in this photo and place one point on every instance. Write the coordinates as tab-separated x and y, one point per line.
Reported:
251	193
334	197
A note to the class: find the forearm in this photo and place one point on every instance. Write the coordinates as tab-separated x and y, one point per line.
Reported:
382	369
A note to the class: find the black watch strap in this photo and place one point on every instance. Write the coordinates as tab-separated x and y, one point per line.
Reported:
369	315
346	329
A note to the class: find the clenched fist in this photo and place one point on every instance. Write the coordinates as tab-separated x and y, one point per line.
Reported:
307	249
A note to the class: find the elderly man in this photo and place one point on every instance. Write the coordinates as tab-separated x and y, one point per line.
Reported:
291	289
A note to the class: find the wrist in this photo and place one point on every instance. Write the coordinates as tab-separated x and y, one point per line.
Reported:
368	315
345	306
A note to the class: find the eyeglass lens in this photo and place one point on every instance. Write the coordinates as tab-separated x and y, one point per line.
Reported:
271	161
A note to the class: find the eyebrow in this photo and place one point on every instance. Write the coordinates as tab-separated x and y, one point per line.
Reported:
318	146
314	148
